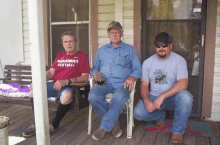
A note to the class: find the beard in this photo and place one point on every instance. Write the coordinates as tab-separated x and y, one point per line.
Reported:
161	56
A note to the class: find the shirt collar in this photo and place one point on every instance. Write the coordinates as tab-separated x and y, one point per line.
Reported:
120	45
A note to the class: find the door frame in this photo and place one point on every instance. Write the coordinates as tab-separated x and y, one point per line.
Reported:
202	51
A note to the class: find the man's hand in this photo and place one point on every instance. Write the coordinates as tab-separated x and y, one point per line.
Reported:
158	102
96	75
129	82
59	84
149	106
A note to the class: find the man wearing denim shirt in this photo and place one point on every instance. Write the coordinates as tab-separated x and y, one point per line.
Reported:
120	64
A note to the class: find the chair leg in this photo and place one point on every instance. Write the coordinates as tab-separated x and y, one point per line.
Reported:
133	121
129	121
90	119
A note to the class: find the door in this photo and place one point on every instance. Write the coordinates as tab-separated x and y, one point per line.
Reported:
184	20
69	15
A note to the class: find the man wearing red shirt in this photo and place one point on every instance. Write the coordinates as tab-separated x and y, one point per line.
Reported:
69	67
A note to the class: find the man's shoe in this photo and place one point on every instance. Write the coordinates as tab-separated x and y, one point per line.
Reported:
177	138
116	131
52	129
30	131
99	134
159	125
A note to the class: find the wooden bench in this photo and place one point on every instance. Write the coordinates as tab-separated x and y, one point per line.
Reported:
22	74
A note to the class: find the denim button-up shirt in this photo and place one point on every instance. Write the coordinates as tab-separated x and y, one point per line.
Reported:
117	63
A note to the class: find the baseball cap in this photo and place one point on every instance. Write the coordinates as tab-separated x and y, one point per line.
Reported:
163	37
114	24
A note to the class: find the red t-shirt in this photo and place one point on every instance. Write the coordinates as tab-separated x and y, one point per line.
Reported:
70	66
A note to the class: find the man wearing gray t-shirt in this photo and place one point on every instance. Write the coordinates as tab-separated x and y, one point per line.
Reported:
166	73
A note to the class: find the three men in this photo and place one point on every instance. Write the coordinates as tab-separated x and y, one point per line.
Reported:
69	67
166	73
120	64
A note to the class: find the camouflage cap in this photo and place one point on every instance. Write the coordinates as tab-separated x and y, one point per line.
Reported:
114	24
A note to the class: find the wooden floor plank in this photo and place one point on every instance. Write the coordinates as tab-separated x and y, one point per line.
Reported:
6	109
109	138
162	138
189	140
214	128
123	139
68	136
3	107
18	130
21	126
201	140
88	140
31	139
83	137
20	115
73	130
13	111
68	118
149	138
137	134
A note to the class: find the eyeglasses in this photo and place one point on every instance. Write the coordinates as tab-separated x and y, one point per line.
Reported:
163	45
112	33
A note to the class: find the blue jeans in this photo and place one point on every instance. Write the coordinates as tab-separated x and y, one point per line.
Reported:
108	114
53	93
181	103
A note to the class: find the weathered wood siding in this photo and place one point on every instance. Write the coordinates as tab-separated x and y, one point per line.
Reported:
106	14
216	86
128	21
26	40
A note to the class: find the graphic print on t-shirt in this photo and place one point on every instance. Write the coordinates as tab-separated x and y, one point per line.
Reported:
160	77
67	62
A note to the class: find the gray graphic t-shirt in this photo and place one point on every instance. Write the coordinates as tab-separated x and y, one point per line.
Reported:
163	74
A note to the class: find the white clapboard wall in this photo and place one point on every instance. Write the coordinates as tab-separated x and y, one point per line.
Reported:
11	38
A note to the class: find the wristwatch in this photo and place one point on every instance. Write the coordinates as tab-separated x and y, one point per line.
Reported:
69	82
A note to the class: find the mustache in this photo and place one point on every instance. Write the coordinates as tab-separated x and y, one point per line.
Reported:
161	51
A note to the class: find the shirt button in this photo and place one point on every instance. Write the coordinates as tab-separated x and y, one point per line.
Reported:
110	72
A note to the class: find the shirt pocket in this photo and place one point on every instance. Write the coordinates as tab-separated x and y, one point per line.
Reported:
123	60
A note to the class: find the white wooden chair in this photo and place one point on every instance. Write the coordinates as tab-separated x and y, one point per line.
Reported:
129	104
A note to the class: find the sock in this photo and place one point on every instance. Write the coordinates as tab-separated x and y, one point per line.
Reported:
61	112
32	103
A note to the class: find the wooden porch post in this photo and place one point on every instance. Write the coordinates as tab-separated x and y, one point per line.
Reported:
35	12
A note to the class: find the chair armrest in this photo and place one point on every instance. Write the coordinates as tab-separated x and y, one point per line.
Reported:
80	84
132	93
91	81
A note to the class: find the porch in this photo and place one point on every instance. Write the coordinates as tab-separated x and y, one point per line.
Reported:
73	129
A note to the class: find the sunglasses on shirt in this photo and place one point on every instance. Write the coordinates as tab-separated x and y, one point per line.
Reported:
163	45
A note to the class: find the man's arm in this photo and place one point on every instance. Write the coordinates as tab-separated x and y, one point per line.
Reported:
96	66
61	83
135	65
145	96
83	78
50	73
180	85
136	71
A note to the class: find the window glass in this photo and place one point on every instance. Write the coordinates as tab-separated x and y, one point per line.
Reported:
173	9
69	10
